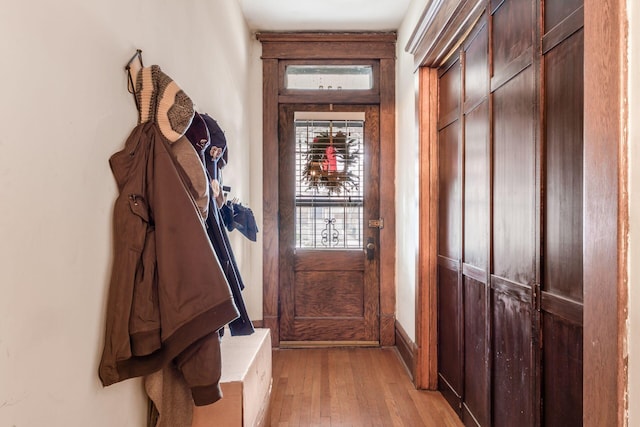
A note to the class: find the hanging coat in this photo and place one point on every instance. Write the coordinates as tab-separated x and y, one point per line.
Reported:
168	295
217	233
167	287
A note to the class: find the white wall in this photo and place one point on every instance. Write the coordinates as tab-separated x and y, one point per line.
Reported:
64	110
253	274
407	169
633	11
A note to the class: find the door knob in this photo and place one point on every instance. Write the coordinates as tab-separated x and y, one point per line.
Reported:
370	248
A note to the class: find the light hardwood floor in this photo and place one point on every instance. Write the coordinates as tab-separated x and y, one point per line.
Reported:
350	387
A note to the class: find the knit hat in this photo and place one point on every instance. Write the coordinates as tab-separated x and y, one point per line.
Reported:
161	101
217	140
198	135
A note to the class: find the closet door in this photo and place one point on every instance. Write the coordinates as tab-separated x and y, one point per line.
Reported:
510	159
514	214
562	301
475	268
449	237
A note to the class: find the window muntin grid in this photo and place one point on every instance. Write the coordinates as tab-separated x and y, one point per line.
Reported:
329	195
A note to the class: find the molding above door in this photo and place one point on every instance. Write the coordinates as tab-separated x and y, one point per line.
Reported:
328	45
440	28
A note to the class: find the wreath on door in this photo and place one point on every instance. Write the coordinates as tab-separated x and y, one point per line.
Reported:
327	152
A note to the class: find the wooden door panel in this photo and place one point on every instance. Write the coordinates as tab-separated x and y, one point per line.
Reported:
449	95
555	11
512	33
562	281
449	350
514	182
562	372
449	238
328	294
477	395
476	70
512	358
307	259
563	160
450	197
476	191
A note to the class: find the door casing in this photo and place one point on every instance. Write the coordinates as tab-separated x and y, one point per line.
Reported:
278	48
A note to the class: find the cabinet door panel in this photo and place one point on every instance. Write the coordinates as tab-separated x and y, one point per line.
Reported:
562	372
562	281
563	164
557	10
476	382
514	183
476	192
449	194
476	69
449	351
512	361
512	33
449	95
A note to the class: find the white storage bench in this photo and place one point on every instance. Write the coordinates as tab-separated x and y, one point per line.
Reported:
245	382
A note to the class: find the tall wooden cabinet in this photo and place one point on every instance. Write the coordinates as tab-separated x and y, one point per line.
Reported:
510	215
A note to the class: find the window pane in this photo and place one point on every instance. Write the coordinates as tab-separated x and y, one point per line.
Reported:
329	77
329	184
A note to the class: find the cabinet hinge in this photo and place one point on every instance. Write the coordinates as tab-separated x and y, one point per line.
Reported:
537	297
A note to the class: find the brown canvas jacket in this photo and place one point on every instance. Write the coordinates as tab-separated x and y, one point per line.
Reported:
167	288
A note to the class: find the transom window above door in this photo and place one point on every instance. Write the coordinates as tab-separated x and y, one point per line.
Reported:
328	77
338	81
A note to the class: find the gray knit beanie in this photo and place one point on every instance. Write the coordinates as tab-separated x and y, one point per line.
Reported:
161	101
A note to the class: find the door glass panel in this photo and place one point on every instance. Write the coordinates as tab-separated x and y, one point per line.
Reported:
329	77
329	183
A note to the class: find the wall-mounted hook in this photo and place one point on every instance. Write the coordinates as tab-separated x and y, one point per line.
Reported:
132	67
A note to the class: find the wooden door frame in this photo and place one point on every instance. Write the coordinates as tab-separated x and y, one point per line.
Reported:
605	236
277	47
426	373
605	196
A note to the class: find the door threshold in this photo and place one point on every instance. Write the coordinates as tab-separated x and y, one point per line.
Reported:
318	344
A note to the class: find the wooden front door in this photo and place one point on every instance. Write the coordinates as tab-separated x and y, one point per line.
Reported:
328	165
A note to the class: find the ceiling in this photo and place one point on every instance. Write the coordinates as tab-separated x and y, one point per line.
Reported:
324	15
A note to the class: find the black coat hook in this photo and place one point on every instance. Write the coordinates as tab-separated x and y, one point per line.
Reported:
130	84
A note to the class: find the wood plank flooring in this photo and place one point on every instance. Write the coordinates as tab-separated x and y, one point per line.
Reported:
350	387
